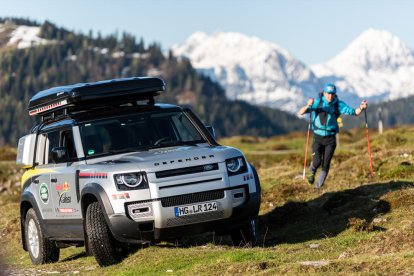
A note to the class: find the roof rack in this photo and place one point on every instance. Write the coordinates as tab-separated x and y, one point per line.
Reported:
76	98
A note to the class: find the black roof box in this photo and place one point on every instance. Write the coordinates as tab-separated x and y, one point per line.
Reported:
83	96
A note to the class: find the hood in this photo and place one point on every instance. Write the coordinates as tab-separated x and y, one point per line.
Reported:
171	157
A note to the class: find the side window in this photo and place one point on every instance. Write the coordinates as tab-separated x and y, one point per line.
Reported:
67	142
52	139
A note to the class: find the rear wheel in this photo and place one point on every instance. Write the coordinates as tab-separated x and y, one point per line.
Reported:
41	249
246	235
104	247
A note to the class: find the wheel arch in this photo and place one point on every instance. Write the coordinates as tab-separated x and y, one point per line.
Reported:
93	192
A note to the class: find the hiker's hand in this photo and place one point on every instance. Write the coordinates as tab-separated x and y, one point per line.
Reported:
363	105
310	101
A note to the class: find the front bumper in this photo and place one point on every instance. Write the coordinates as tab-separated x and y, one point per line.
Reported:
161	224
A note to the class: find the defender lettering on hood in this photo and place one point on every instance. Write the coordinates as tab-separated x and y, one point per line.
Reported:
183	160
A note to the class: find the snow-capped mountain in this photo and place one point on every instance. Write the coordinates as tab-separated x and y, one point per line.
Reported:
20	36
251	69
376	65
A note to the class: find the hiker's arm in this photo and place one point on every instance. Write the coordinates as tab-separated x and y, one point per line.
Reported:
361	107
307	108
347	110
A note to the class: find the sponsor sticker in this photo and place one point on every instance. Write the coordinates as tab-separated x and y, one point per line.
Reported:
66	210
63	187
44	193
63	198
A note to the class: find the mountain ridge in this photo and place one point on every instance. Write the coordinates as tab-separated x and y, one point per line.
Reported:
376	66
257	70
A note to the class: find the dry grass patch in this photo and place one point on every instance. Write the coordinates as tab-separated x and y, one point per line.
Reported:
403	198
355	225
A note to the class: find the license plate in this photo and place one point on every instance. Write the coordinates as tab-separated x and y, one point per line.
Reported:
195	209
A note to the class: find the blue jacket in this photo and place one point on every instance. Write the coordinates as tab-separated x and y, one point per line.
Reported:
324	117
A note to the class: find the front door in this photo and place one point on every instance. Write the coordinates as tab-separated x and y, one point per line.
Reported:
65	197
63	190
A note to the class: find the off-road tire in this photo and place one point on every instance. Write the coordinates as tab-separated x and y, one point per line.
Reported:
246	235
104	247
88	249
48	252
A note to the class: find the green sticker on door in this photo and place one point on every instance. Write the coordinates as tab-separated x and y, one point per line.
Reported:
44	193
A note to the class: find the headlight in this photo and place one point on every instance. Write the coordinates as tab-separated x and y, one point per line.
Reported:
236	165
128	181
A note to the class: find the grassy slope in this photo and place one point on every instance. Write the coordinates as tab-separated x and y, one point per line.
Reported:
357	225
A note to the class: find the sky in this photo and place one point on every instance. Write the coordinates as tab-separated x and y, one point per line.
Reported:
313	31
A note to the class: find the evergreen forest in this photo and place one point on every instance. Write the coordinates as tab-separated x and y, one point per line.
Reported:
70	57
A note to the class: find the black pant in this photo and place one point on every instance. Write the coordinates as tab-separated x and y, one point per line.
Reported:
323	149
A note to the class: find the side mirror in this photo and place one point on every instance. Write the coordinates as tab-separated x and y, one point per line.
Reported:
59	155
212	131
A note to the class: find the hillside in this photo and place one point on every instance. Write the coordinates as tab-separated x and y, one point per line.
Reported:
357	225
32	61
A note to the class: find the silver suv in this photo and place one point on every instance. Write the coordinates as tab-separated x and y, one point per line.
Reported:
107	168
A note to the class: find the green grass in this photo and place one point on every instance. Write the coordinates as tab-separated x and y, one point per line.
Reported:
358	224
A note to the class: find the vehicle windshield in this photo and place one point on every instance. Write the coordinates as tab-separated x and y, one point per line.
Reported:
138	132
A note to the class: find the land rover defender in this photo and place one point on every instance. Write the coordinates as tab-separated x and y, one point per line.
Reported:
107	167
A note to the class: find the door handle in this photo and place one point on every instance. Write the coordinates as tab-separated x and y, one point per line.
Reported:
54	180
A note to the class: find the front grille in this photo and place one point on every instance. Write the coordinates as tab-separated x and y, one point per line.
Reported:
187	170
195	218
191	198
191	183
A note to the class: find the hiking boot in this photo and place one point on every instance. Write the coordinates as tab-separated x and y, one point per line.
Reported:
311	178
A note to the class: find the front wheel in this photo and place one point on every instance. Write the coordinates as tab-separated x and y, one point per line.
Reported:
103	245
246	235
41	249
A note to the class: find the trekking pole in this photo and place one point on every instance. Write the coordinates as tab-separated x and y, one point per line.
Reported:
369	145
307	142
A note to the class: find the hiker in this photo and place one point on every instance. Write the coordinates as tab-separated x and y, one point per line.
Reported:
325	111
